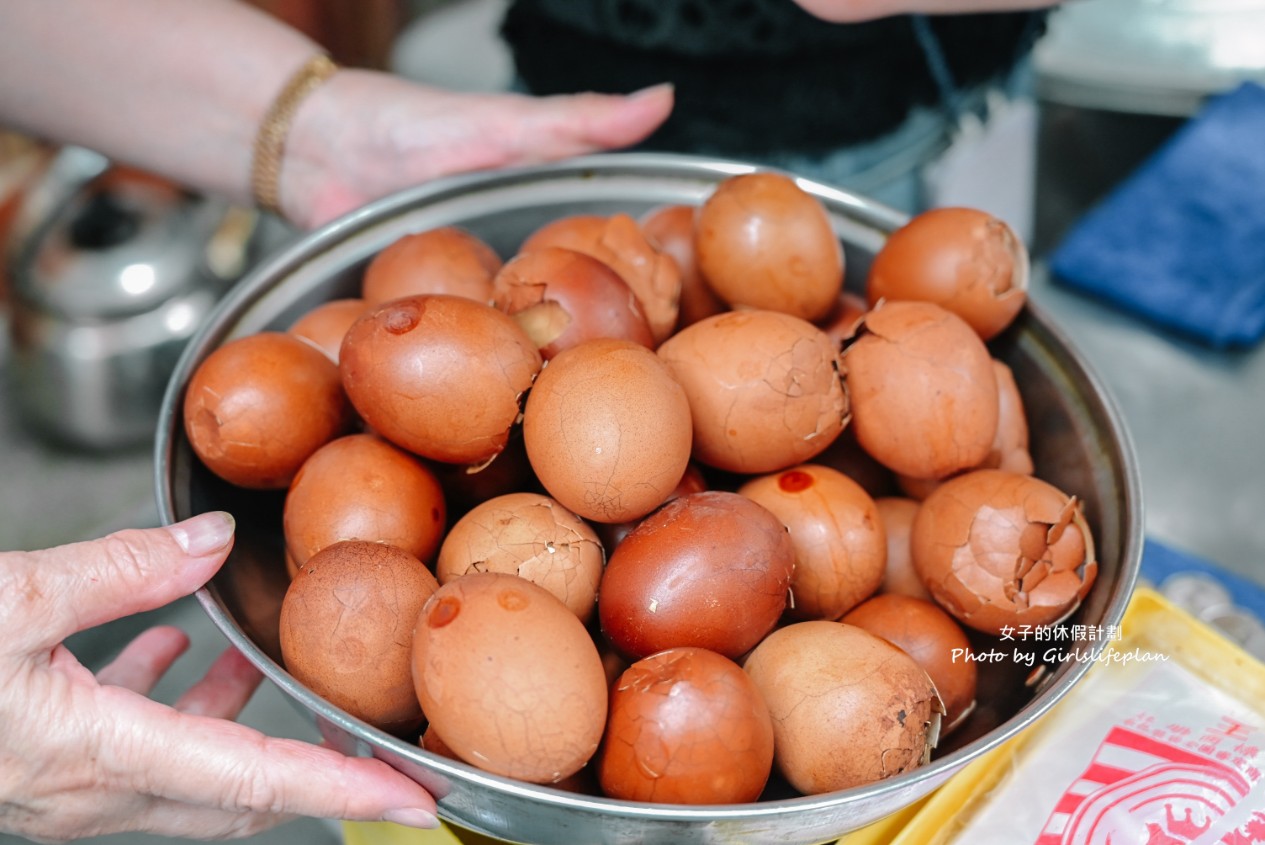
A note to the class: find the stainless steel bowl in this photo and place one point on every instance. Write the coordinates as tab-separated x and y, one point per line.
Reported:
1079	444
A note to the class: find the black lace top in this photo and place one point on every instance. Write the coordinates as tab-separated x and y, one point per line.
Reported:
757	76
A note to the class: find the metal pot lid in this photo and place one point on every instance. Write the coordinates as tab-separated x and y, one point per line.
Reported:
120	244
1161	57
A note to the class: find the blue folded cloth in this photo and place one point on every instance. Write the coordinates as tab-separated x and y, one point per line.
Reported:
1181	241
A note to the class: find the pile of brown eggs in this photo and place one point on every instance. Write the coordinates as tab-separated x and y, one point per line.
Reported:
653	508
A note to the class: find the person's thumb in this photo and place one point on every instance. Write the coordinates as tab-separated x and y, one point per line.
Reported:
54	593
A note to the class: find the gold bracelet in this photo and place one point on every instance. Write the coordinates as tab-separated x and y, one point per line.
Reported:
265	174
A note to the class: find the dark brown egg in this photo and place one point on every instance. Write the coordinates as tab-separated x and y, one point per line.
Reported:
764	242
327	324
509	677
533	537
446	260
607	430
963	259
671	229
618	241
999	549
360	487
897	513
679	577
764	389
686	726
848	708
347	630
840	545
562	298
466	485
935	641
441	376
923	393
258	406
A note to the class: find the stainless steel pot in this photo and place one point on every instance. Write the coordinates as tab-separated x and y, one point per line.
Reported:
112	272
1079	443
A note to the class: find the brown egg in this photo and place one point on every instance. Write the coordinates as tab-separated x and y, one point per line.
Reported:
680	576
936	642
509	677
671	229
764	389
848	708
999	549
686	726
441	376
897	513
618	241
360	487
258	406
764	242
327	324
924	397
533	537
347	628
562	298
963	259
1010	443
607	430
840	545
446	259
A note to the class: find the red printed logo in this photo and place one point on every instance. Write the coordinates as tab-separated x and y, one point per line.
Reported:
1138	790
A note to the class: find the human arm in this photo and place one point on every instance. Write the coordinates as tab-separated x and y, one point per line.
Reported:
83	755
181	88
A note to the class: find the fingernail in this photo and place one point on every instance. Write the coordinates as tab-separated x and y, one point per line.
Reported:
411	817
203	534
652	90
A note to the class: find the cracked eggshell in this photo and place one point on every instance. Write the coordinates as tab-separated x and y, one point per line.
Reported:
439	375
617	240
562	298
762	241
835	527
764	388
933	638
964	259
998	549
848	707
924	396
686	726
347	630
257	407
607	430
671	229
709	569
446	259
534	537
509	677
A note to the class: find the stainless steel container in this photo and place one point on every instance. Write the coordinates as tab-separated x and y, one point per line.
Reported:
112	272
1079	444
